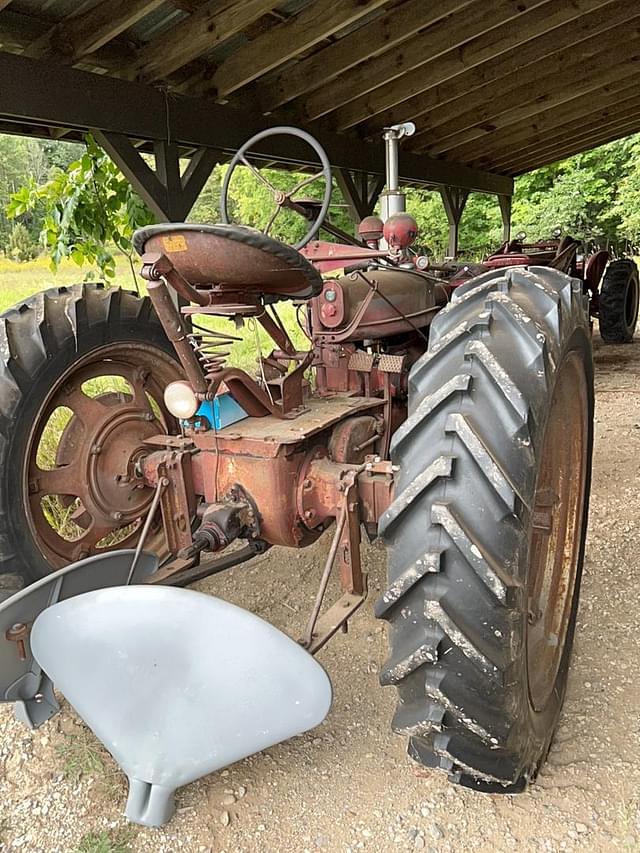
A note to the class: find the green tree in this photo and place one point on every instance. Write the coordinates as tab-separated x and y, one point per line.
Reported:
87	209
627	206
21	245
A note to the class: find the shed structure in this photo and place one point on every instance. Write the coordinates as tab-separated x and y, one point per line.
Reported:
495	88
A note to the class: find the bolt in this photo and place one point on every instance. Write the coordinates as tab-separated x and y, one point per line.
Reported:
148	416
116	516
309	514
17	634
308	484
96	449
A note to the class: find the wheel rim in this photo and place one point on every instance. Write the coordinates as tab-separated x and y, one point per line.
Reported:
631	304
82	488
557	529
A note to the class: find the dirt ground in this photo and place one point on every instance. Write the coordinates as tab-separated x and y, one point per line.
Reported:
348	785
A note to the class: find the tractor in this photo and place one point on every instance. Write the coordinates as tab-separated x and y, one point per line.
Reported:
451	418
612	284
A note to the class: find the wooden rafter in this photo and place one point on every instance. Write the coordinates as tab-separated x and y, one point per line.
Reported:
213	23
453	79
525	80
628	122
612	100
589	72
575	146
317	22
446	34
384	33
84	33
19	31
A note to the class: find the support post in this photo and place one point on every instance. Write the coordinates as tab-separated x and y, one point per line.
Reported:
505	209
169	195
360	191
454	200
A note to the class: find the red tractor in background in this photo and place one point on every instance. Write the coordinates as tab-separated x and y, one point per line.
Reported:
612	285
450	417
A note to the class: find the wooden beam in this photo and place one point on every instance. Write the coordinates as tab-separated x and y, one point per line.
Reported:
427	46
525	78
505	202
79	100
360	191
18	32
84	33
452	82
454	201
168	195
590	71
196	175
532	23
212	24
569	116
384	33
588	137
519	168
317	22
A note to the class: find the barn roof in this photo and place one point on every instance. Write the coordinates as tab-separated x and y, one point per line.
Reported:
495	88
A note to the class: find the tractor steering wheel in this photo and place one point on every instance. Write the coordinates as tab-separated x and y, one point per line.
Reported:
284	199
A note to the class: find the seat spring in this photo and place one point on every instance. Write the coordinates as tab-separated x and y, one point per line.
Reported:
212	349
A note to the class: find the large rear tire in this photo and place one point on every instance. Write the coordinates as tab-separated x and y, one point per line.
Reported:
486	531
618	302
82	371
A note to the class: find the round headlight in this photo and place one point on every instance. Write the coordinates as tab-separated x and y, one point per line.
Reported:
180	400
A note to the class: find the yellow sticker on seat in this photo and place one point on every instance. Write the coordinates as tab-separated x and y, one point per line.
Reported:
174	243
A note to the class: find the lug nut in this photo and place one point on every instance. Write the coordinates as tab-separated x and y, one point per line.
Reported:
117	515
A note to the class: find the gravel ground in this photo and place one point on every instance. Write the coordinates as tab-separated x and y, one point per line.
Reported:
348	785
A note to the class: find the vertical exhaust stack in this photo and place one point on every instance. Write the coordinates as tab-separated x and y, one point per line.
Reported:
392	200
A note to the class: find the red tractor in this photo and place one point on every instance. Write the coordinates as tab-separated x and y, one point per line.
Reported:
454	423
612	285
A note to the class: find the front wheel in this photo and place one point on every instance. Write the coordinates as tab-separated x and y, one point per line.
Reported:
82	376
487	529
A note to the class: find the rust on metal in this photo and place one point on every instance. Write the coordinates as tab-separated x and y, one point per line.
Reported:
555	543
18	634
176	332
96	475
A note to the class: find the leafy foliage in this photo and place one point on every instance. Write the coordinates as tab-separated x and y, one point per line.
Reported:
87	210
77	203
251	202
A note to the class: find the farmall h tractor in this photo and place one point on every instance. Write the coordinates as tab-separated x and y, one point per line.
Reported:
453	422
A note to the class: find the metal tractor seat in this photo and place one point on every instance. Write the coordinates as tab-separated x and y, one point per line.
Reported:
177	684
233	258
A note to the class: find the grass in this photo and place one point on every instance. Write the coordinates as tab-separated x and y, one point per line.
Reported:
107	841
18	281
82	755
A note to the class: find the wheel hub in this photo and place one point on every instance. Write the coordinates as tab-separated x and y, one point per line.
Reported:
91	495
